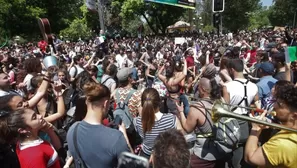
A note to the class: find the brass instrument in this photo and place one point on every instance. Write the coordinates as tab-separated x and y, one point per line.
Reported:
218	110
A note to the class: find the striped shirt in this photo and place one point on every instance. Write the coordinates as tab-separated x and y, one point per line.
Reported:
167	121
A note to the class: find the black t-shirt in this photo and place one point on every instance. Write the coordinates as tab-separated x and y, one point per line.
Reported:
282	76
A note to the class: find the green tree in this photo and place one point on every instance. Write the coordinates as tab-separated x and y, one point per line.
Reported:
282	12
206	12
157	16
235	16
259	19
17	17
78	27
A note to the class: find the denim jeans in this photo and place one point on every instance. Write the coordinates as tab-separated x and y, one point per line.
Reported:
184	100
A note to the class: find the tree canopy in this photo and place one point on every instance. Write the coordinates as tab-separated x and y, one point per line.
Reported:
282	12
71	18
235	16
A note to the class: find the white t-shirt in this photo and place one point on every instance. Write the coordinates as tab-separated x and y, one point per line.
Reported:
108	81
159	56
78	70
236	91
27	81
120	59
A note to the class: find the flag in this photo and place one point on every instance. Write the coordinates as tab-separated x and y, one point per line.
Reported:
292	53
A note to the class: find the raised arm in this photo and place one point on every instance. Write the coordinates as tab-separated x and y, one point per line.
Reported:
142	57
288	72
60	105
160	76
90	60
40	91
177	80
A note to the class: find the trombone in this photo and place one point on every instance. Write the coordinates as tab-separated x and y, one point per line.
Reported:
219	110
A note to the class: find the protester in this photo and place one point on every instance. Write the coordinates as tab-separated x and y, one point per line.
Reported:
24	125
171	144
281	149
152	122
181	73
85	138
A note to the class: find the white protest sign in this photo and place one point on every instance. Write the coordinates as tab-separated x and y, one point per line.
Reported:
179	40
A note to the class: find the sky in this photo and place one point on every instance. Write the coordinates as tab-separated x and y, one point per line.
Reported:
266	2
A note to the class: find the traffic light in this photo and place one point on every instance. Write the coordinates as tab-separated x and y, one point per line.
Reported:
216	19
218	5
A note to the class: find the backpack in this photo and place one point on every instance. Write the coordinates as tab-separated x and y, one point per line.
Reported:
225	132
70	96
244	125
66	124
122	110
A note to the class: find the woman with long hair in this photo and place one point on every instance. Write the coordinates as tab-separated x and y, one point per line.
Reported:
223	72
152	122
23	126
14	102
172	81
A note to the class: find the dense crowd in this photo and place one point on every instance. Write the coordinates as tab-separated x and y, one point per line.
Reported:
150	96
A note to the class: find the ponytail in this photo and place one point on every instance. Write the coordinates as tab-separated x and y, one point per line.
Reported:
147	116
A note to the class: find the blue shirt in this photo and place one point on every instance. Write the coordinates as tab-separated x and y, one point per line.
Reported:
99	146
134	74
264	87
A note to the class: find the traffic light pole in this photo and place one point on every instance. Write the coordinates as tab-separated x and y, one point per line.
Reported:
218	6
101	17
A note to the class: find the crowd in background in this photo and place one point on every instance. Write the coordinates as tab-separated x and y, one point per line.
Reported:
155	85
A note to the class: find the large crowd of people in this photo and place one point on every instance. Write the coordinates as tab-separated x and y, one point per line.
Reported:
152	97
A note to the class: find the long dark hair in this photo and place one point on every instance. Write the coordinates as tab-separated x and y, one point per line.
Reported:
169	70
10	124
150	101
216	90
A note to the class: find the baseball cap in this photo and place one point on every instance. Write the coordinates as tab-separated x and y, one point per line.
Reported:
124	73
267	67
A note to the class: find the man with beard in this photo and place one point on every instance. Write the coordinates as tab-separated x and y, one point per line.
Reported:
241	92
281	149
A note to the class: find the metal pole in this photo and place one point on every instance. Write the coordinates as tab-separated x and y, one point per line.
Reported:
221	24
294	21
101	17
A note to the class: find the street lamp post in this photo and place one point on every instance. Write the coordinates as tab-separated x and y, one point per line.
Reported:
101	17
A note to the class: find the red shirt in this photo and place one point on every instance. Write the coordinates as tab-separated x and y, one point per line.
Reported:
190	61
42	45
253	56
37	154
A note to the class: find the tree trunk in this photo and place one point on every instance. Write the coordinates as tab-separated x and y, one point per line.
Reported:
150	24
